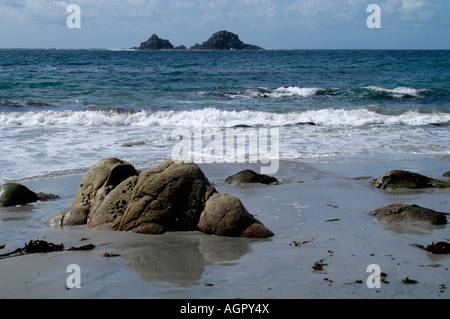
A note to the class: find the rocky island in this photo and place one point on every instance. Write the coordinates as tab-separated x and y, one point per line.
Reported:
224	40
156	43
221	40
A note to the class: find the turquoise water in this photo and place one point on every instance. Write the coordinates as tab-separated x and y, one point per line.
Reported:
81	105
81	79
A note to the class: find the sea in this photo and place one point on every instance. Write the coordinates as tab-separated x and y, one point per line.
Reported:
62	111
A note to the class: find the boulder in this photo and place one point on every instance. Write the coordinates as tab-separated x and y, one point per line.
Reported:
407	213
13	194
101	179
70	217
404	179
249	176
224	40
447	174
224	215
167	197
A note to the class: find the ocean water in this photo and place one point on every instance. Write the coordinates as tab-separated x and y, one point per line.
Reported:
61	111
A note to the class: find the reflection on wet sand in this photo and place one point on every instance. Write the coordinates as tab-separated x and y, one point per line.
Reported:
181	257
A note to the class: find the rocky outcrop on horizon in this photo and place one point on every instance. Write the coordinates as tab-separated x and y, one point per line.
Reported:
155	43
224	40
221	40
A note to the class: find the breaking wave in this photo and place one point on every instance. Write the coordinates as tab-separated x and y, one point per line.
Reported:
371	92
212	117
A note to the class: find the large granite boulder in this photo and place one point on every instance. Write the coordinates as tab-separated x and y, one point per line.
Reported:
249	176
224	40
155	43
167	197
13	194
102	178
407	213
171	196
404	179
224	215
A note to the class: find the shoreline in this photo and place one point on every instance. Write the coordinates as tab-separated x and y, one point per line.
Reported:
183	265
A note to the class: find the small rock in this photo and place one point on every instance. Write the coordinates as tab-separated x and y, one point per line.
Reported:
13	194
46	197
249	176
404	179
441	247
407	213
70	217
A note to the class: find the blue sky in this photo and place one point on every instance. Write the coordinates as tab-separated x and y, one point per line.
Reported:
285	24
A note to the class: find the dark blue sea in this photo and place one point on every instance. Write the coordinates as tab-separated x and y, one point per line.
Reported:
61	111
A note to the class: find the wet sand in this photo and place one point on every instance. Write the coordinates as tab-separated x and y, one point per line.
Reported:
317	212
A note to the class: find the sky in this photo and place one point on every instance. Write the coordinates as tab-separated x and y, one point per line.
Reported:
284	24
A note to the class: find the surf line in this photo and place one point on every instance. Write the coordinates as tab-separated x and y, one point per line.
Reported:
229	145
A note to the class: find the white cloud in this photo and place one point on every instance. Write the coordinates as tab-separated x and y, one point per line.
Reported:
190	21
412	5
313	14
412	12
183	4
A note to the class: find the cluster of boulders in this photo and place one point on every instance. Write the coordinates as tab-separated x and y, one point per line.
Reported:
172	196
221	40
176	196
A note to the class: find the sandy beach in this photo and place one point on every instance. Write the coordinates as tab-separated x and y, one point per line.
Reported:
317	212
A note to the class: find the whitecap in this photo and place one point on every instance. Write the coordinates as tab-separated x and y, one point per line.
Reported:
398	92
212	117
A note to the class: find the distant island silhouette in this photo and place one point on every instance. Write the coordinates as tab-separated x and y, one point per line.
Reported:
221	40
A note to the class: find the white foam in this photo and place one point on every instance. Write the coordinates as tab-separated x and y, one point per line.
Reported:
397	92
281	92
211	117
293	91
42	143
